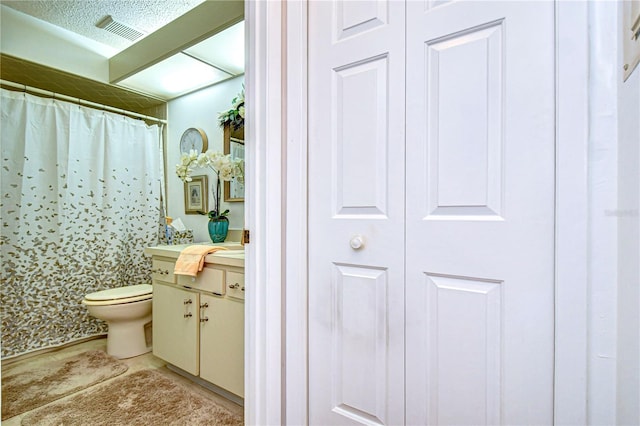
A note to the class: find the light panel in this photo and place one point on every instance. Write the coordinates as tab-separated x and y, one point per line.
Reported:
211	61
225	49
175	76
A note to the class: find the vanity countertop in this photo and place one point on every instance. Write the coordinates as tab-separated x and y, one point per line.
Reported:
233	256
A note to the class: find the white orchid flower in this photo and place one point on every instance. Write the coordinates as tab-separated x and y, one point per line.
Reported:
226	173
224	167
202	160
213	156
184	159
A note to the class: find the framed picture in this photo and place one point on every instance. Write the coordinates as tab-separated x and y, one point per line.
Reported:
195	195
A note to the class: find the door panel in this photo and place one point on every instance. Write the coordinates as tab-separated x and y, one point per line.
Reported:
464	320
360	142
359	342
355	17
464	123
356	176
480	213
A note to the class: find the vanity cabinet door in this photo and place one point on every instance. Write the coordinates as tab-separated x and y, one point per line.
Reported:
222	343
175	326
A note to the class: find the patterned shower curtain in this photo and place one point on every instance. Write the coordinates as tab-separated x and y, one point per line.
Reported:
80	201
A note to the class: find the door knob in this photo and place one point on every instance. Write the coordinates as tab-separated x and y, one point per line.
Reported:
357	242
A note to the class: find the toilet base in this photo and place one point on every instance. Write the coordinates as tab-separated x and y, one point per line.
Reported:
126	339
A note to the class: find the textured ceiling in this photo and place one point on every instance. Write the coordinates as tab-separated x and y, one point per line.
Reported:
81	16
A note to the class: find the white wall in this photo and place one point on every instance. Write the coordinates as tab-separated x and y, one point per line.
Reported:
37	41
614	230
627	215
199	109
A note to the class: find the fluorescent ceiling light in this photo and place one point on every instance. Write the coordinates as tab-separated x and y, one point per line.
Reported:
211	61
224	50
175	76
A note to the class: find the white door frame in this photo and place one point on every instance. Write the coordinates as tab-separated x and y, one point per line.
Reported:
572	128
276	213
264	315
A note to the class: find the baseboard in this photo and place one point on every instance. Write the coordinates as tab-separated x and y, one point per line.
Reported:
213	388
16	358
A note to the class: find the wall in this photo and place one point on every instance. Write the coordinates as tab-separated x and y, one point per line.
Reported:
627	216
199	109
614	230
40	42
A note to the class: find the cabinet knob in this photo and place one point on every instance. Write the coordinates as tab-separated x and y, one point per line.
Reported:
357	242
205	319
204	305
188	314
187	301
234	286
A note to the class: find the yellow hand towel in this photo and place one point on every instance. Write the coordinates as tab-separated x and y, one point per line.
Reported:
191	259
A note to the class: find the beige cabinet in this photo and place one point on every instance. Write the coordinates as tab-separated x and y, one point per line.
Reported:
198	323
222	343
175	326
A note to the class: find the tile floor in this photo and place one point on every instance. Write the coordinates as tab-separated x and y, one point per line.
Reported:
142	362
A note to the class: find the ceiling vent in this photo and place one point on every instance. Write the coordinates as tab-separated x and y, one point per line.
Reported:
118	28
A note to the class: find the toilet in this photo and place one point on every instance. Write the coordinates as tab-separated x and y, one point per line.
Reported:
127	310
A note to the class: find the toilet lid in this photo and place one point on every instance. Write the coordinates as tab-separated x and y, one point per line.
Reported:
121	292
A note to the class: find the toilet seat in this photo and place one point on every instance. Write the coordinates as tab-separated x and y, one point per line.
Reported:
120	295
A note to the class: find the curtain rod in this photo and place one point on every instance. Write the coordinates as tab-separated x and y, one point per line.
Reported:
79	101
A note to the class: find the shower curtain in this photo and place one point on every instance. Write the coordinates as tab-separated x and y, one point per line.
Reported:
80	201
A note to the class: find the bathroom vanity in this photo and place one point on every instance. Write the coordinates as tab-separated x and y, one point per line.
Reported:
198	322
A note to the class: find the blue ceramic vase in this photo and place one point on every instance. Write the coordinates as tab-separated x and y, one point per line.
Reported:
218	229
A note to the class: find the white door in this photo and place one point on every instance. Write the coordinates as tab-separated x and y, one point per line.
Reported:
356	187
478	254
480	213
